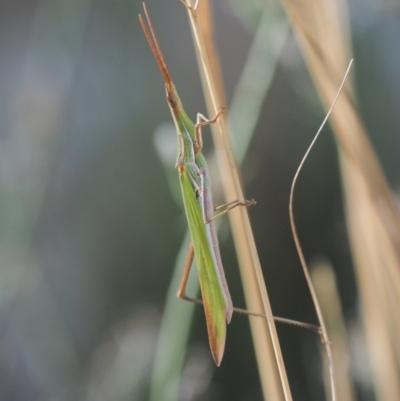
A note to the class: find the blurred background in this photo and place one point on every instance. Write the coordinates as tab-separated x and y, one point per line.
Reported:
90	220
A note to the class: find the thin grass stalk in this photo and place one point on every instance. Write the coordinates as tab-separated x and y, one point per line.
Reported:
373	217
323	277
264	331
324	332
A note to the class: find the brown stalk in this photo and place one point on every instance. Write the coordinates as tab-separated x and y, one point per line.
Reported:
324	333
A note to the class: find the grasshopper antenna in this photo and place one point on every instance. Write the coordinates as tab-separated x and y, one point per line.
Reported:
155	47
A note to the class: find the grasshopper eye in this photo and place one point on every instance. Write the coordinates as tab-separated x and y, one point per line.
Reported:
171	101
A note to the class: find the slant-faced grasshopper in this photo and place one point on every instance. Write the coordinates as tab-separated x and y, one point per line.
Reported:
199	208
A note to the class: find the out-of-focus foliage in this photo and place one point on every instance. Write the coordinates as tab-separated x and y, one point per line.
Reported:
89	230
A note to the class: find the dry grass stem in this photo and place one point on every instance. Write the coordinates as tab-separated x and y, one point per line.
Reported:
324	281
372	214
325	337
272	372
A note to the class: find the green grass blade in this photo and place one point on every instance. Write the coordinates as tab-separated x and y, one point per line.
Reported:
174	334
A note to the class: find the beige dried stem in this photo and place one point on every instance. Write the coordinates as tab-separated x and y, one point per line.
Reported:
323	331
373	218
272	371
323	277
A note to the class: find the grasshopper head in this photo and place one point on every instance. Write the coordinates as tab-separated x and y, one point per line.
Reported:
172	97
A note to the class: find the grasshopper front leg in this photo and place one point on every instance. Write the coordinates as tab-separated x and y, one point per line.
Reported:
201	121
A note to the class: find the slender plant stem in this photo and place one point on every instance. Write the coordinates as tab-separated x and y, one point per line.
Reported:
300	251
254	286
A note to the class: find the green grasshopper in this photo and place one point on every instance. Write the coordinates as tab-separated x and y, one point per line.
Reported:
199	208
